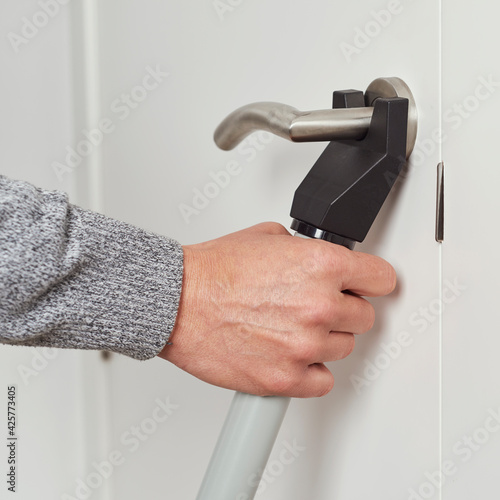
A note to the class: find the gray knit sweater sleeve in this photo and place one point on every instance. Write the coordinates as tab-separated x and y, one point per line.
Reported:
73	278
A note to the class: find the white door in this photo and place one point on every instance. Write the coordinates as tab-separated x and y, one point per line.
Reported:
379	429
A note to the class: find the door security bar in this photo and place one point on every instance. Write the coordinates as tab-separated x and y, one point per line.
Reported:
372	136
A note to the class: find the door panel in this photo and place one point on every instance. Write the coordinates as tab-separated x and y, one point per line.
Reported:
379	427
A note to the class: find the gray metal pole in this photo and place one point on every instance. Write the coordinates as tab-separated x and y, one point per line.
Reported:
245	443
243	448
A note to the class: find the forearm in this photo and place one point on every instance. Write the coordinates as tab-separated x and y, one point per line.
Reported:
76	279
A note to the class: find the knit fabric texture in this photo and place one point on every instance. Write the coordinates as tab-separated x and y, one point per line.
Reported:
73	278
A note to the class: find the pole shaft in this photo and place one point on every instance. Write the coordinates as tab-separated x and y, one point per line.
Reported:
243	448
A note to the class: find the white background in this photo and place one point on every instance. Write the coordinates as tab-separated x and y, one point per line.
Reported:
382	440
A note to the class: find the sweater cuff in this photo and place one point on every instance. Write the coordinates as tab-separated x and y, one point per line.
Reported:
124	293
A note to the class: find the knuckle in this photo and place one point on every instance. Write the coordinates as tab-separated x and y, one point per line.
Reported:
281	383
318	311
333	257
304	350
323	258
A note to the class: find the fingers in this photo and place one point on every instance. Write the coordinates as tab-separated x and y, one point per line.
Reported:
293	294
317	381
363	274
338	346
332	347
337	311
353	314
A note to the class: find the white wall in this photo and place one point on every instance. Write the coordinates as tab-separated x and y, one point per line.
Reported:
54	410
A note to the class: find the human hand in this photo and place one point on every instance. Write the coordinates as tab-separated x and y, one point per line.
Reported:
261	311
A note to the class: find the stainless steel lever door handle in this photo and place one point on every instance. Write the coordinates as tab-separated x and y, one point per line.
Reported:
290	123
321	125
